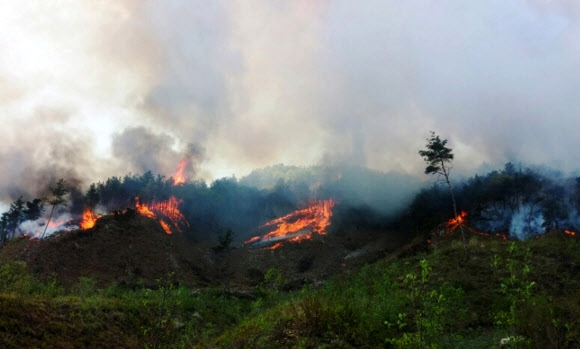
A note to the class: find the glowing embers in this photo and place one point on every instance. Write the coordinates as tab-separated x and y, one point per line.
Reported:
168	209
297	226
88	219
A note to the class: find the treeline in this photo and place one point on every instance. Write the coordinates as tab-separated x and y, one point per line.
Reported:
210	209
522	202
364	197
19	211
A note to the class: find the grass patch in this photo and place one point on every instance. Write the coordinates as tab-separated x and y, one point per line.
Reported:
434	299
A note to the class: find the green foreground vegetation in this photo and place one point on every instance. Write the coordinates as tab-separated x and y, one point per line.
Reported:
433	298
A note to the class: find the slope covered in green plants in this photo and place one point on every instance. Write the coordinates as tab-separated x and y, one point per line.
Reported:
435	299
421	296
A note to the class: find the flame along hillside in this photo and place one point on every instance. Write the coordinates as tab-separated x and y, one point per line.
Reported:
296	226
446	230
124	248
124	245
131	247
201	210
166	212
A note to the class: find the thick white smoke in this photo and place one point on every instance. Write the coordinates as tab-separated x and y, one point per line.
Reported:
296	82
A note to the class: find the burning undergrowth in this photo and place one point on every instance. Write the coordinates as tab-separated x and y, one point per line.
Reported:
446	231
167	212
296	226
176	222
124	248
203	211
515	202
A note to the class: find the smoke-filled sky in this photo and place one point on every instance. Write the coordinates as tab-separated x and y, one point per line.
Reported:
94	88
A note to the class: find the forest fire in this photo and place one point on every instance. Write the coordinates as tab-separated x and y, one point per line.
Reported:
298	225
448	227
179	176
35	229
569	232
455	222
32	236
143	209
168	209
88	219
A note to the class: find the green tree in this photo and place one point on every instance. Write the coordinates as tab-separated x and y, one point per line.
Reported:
11	220
92	197
439	160
33	210
58	192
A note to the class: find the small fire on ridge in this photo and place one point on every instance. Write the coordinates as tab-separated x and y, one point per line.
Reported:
297	225
168	209
88	219
452	224
166	212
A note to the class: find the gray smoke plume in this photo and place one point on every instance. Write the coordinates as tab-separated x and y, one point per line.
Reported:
94	89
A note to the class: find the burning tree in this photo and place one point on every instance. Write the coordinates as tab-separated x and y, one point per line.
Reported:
58	198
438	158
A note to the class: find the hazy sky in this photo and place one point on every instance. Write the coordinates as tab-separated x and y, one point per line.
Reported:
94	88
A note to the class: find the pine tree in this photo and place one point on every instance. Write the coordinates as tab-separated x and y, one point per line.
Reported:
439	162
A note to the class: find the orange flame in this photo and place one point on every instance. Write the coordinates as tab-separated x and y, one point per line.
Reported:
88	219
254	239
273	247
144	209
298	225
569	232
165	227
455	222
179	176
168	209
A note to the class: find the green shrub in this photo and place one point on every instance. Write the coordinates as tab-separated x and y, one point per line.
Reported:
14	278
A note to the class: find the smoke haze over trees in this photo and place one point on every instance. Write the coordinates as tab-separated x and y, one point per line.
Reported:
519	201
364	196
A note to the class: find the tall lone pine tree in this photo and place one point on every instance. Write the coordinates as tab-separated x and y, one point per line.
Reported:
439	158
